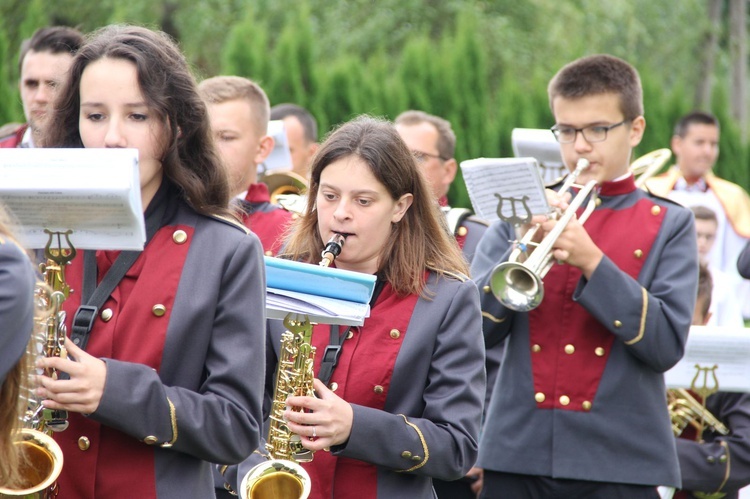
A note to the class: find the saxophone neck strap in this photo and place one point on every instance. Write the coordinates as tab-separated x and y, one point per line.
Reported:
93	296
336	340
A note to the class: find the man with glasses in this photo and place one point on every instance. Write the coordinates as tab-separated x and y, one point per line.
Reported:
433	144
579	406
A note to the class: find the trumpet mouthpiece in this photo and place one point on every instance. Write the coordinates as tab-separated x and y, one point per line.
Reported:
582	164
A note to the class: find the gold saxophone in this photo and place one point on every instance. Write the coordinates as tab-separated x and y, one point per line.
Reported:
42	458
685	410
281	477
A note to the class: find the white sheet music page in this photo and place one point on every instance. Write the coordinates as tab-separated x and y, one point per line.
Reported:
93	192
511	186
725	347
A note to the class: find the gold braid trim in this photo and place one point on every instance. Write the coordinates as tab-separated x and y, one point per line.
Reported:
424	447
173	421
644	312
491	317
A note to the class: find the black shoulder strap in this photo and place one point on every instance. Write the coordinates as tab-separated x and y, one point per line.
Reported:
93	296
336	340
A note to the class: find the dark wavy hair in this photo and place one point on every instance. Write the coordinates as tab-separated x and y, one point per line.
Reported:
189	160
419	241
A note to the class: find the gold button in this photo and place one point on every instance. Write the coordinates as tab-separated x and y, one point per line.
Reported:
711	459
179	236
617	324
84	443
416	458
598	202
334	386
486	289
723	458
536	348
150	440
350	335
570	349
268	253
406	454
462	231
599	351
586	405
638	253
159	310
395	333
106	314
564	400
378	389
655	210
539	397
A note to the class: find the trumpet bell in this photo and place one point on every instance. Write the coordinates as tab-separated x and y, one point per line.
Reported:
276	479
42	463
516	287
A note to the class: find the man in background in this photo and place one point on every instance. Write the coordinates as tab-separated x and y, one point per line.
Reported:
43	63
238	110
301	133
433	144
692	182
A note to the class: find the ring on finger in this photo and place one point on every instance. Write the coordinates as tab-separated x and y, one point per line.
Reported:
314	435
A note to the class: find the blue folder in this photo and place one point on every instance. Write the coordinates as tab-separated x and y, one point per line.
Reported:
320	281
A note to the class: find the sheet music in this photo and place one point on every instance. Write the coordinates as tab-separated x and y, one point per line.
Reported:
319	309
541	145
513	179
726	347
280	157
93	192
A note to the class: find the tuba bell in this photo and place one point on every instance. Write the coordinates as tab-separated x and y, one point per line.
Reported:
286	188
649	165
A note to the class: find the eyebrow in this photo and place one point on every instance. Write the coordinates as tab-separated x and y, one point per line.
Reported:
101	104
359	191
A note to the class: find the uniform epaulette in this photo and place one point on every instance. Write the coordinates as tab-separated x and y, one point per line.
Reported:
476	219
661	198
230	221
449	273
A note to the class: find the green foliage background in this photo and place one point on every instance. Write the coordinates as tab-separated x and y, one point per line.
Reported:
483	65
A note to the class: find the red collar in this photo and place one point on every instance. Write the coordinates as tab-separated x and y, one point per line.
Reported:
617	187
257	193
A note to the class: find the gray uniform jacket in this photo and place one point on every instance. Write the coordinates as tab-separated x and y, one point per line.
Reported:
203	403
16	304
623	434
438	385
721	463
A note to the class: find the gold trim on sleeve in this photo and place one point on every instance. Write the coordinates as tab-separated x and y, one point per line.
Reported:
644	312
492	318
173	422
424	447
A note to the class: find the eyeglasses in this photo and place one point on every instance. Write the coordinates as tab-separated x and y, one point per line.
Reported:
593	133
421	157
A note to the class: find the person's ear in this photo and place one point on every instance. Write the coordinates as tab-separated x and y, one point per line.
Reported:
264	149
402	205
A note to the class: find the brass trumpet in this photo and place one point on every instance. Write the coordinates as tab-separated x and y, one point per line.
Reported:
518	285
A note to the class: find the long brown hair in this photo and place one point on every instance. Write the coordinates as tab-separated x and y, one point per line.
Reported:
419	241
190	159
